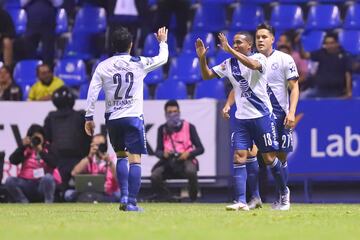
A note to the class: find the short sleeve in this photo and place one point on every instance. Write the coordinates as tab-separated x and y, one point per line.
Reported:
290	69
261	59
221	70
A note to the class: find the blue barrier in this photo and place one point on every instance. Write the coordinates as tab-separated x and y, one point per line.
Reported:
327	140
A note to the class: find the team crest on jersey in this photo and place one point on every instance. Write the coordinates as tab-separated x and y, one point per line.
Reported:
223	66
274	66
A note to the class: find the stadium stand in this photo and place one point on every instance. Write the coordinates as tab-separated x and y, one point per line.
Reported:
286	17
185	68
25	72
323	17
19	18
352	17
246	17
71	71
171	89
210	89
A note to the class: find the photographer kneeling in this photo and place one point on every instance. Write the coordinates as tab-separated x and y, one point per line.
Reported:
38	174
97	162
177	146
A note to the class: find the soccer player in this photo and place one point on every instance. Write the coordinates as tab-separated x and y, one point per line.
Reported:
254	121
122	78
282	77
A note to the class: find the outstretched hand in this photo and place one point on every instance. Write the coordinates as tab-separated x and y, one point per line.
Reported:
224	44
162	34
200	48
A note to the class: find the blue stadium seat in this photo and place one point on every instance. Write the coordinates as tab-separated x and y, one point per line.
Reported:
185	68
217	1
221	56
323	17
286	17
190	39
19	18
210	89
350	41
25	71
151	45
90	20
257	1
293	1
154	77
312	40
171	89
84	90
247	17
352	17
71	71
25	89
210	18
11	4
61	22
356	85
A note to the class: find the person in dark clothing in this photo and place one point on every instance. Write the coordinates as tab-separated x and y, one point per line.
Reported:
333	77
178	144
40	27
38	174
9	90
64	128
7	35
181	9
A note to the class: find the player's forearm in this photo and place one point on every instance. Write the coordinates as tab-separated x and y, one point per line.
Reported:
161	58
248	62
206	73
231	98
93	93
294	97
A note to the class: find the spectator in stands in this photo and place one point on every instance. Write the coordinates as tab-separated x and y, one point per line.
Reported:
7	34
41	25
181	9
132	14
178	144
333	77
38	174
9	90
45	86
97	162
285	44
64	129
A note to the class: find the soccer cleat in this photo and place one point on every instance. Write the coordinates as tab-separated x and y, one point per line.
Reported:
123	203
237	207
284	201
133	208
255	203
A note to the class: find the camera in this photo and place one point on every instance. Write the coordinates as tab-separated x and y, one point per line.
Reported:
35	141
102	148
174	156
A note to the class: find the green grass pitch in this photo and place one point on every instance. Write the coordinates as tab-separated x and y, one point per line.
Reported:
177	221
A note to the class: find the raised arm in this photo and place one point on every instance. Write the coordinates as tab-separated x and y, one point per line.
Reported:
248	62
159	60
201	51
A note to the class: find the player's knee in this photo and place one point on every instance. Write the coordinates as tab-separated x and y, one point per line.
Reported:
121	154
269	157
240	157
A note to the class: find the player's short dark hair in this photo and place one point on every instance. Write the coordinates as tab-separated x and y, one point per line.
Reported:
332	35
248	37
171	103
121	39
267	27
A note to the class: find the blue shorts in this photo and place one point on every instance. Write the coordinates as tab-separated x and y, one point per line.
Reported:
127	134
284	135
260	131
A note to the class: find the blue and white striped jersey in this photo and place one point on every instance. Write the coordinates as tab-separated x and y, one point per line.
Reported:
280	69
250	86
122	78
